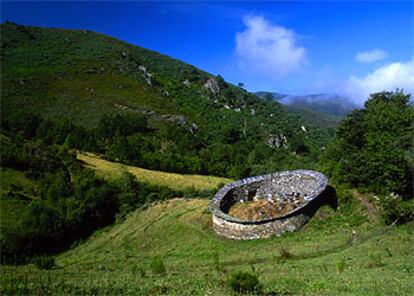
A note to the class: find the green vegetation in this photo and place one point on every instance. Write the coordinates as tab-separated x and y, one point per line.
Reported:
157	267
178	182
242	282
75	223
373	151
44	262
49	200
199	262
313	117
142	108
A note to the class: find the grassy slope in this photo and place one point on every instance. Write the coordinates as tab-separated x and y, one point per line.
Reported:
80	76
174	181
379	262
11	208
9	177
74	75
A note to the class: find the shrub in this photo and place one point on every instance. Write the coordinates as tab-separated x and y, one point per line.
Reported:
44	262
242	282
395	208
157	266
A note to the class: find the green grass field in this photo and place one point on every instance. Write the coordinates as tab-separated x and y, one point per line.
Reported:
112	170
342	252
324	257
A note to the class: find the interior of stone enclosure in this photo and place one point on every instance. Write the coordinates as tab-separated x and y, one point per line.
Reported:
269	198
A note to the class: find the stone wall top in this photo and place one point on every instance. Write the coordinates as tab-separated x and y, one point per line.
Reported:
306	182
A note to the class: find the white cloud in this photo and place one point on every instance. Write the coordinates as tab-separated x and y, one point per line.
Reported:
268	49
370	56
388	77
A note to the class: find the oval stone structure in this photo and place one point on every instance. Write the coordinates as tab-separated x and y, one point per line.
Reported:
262	206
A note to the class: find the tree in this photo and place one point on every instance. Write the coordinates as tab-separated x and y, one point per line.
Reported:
372	146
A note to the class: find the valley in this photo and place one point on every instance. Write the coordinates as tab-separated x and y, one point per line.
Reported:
111	154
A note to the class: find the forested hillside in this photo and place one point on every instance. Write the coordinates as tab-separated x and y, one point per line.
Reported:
132	216
143	108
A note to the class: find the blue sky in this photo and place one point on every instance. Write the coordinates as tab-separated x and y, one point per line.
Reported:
350	47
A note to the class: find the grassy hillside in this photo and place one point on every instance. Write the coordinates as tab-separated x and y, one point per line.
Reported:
324	258
343	252
78	77
113	170
81	75
91	92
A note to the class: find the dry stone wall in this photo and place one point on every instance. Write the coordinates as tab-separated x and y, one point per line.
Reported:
280	189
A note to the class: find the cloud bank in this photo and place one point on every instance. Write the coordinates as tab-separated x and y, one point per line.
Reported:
388	77
268	49
371	56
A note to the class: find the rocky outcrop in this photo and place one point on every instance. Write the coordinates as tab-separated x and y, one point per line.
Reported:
276	141
212	85
147	75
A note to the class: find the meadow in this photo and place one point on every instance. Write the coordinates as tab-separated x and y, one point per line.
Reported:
342	252
112	170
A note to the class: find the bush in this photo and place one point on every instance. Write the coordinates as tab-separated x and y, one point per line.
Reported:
242	282
157	266
44	262
373	146
395	208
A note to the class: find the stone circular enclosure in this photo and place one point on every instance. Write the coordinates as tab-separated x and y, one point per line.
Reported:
261	206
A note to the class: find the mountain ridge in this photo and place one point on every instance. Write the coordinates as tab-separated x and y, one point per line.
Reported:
327	103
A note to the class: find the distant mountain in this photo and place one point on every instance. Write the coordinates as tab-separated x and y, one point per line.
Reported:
319	109
329	104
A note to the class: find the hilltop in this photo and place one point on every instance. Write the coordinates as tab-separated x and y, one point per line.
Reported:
76	81
81	75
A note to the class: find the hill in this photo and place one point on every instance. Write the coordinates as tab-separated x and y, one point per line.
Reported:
312	116
85	87
323	258
81	75
320	109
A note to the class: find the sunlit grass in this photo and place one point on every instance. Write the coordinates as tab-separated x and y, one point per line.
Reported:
118	259
113	170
